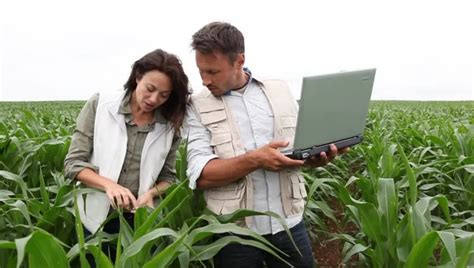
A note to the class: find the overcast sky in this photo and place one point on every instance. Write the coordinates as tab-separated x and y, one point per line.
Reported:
60	50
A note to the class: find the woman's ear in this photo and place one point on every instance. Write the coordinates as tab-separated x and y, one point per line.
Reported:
138	77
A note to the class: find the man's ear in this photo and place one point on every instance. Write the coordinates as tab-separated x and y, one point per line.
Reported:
240	60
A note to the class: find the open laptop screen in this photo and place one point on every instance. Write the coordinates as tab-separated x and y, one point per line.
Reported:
333	109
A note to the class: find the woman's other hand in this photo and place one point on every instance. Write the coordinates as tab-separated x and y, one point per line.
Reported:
145	199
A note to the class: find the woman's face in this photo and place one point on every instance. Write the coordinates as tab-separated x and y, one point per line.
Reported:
153	89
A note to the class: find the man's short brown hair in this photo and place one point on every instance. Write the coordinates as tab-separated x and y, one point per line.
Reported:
219	36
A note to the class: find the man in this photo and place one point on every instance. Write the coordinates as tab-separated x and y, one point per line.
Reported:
237	126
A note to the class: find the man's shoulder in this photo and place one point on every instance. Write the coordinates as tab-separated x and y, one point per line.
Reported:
269	82
201	94
203	101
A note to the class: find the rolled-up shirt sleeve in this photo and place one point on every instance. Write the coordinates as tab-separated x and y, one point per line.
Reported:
82	140
168	172
199	149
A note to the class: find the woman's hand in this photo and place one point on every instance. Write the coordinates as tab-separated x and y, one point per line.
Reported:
120	197
145	199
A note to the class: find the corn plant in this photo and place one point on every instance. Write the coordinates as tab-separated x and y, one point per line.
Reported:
408	187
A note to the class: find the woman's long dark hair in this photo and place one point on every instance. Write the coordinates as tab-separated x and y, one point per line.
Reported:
174	108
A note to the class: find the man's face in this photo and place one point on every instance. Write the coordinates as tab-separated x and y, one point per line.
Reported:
217	73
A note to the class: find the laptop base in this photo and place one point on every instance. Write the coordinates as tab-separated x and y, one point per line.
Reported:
303	154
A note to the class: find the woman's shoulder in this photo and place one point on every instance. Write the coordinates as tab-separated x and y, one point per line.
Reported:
94	98
91	103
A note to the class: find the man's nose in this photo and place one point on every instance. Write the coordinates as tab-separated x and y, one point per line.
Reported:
206	81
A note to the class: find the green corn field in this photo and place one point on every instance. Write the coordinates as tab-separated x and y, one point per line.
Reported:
402	198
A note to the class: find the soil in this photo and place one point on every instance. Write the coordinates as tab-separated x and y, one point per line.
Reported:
328	251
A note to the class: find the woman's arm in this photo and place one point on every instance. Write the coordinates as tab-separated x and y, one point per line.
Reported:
78	167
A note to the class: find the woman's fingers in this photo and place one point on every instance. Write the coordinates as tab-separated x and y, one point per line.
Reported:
121	197
133	203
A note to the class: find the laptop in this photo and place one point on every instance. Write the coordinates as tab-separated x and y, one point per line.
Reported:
332	109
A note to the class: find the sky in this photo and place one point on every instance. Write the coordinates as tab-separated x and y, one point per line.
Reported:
65	50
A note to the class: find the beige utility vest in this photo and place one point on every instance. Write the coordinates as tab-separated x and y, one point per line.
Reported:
216	116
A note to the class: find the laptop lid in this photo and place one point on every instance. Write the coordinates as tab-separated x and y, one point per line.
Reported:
333	107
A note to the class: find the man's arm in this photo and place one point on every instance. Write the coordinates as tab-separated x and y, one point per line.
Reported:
219	172
206	170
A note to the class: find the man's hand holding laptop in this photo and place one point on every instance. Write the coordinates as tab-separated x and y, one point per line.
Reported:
269	157
323	158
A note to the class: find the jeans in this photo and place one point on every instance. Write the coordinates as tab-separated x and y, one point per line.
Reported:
237	255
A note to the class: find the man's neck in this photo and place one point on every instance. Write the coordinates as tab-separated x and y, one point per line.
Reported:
243	81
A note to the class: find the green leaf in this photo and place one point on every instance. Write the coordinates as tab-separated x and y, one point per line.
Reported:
406	237
465	246
355	249
470	220
231	217
148	224
422	251
137	245
5	195
100	258
166	256
20	206
13	177
469	168
43	250
370	220
388	208
208	251
44	193
411	177
444	204
449	245
80	233
7	244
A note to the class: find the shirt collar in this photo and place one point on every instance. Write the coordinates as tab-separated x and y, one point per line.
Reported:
249	73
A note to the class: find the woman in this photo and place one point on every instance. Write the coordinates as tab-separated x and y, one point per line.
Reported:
125	142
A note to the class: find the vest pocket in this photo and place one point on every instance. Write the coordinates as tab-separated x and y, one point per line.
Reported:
298	190
228	192
225	199
222	144
302	185
288	126
213	116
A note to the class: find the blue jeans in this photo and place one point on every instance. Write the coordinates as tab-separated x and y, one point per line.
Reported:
237	255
